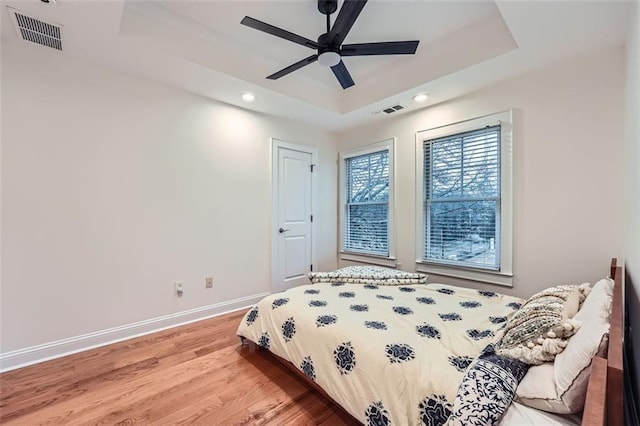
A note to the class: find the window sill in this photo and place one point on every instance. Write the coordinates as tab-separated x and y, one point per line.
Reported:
490	277
389	262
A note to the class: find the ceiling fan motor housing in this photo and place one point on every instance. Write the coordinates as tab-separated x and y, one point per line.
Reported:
325	44
328	55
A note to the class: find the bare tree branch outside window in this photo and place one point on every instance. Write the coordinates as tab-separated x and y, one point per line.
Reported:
367	204
462	198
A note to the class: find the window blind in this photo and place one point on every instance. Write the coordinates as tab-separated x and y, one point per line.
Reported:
367	203
462	199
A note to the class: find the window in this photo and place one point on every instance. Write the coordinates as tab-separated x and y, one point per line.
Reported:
462	198
367	192
466	198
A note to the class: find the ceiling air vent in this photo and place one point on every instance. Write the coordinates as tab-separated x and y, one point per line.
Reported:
393	109
37	31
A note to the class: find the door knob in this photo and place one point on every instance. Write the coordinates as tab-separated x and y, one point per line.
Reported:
282	230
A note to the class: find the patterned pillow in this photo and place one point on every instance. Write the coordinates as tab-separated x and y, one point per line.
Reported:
539	330
487	389
368	275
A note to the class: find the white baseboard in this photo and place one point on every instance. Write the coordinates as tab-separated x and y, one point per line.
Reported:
39	353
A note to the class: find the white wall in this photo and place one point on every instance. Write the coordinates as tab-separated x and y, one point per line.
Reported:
632	194
568	156
114	187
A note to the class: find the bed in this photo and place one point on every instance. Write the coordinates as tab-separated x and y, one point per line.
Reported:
420	340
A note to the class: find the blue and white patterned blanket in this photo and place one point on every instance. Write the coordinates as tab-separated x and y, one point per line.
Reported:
387	354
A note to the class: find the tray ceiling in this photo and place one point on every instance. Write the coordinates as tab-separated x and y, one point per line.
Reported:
201	47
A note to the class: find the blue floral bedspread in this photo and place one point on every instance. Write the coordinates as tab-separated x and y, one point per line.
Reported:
390	355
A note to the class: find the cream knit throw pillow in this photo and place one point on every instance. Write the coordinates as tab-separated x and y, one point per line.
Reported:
540	328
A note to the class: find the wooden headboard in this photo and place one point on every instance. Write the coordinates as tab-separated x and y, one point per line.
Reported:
604	403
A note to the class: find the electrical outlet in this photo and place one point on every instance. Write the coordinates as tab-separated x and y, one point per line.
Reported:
179	285
209	282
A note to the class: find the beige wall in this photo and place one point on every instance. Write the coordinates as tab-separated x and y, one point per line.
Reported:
114	187
567	154
632	191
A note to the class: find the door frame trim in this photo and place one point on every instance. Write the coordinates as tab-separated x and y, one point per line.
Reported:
276	144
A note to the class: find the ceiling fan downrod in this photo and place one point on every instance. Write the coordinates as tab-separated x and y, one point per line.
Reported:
327	7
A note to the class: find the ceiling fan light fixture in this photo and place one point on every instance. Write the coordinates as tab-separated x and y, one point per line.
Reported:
421	97
248	97
329	59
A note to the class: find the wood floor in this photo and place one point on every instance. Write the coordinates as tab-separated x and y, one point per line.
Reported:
194	374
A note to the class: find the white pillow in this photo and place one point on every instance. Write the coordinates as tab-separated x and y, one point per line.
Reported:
583	346
538	386
561	387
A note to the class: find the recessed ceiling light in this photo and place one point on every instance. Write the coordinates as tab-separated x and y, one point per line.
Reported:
420	98
248	97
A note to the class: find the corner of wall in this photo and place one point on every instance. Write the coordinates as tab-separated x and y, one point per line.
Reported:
632	217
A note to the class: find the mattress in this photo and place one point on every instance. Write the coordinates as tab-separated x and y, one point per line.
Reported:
519	415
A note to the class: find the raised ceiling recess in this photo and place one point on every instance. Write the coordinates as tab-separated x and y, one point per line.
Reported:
329	47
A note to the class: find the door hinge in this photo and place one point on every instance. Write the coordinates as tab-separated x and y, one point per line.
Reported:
312	167
311	218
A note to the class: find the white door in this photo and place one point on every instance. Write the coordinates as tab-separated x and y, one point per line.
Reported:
292	212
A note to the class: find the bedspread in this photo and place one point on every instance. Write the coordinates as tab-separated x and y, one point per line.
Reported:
387	354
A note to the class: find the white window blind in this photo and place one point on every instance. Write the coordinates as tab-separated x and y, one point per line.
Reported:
462	199
367	203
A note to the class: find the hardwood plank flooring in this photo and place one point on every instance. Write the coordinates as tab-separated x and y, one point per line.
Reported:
197	374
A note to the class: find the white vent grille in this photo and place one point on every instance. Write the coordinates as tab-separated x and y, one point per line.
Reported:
37	31
393	109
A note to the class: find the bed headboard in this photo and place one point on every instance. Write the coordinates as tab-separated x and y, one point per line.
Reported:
604	403
631	353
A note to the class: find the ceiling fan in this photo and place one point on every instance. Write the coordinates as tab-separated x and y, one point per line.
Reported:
329	47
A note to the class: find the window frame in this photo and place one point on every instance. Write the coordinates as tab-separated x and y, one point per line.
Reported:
504	275
389	260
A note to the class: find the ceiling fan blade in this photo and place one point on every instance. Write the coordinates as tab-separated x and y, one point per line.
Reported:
342	74
291	68
345	20
278	32
384	48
